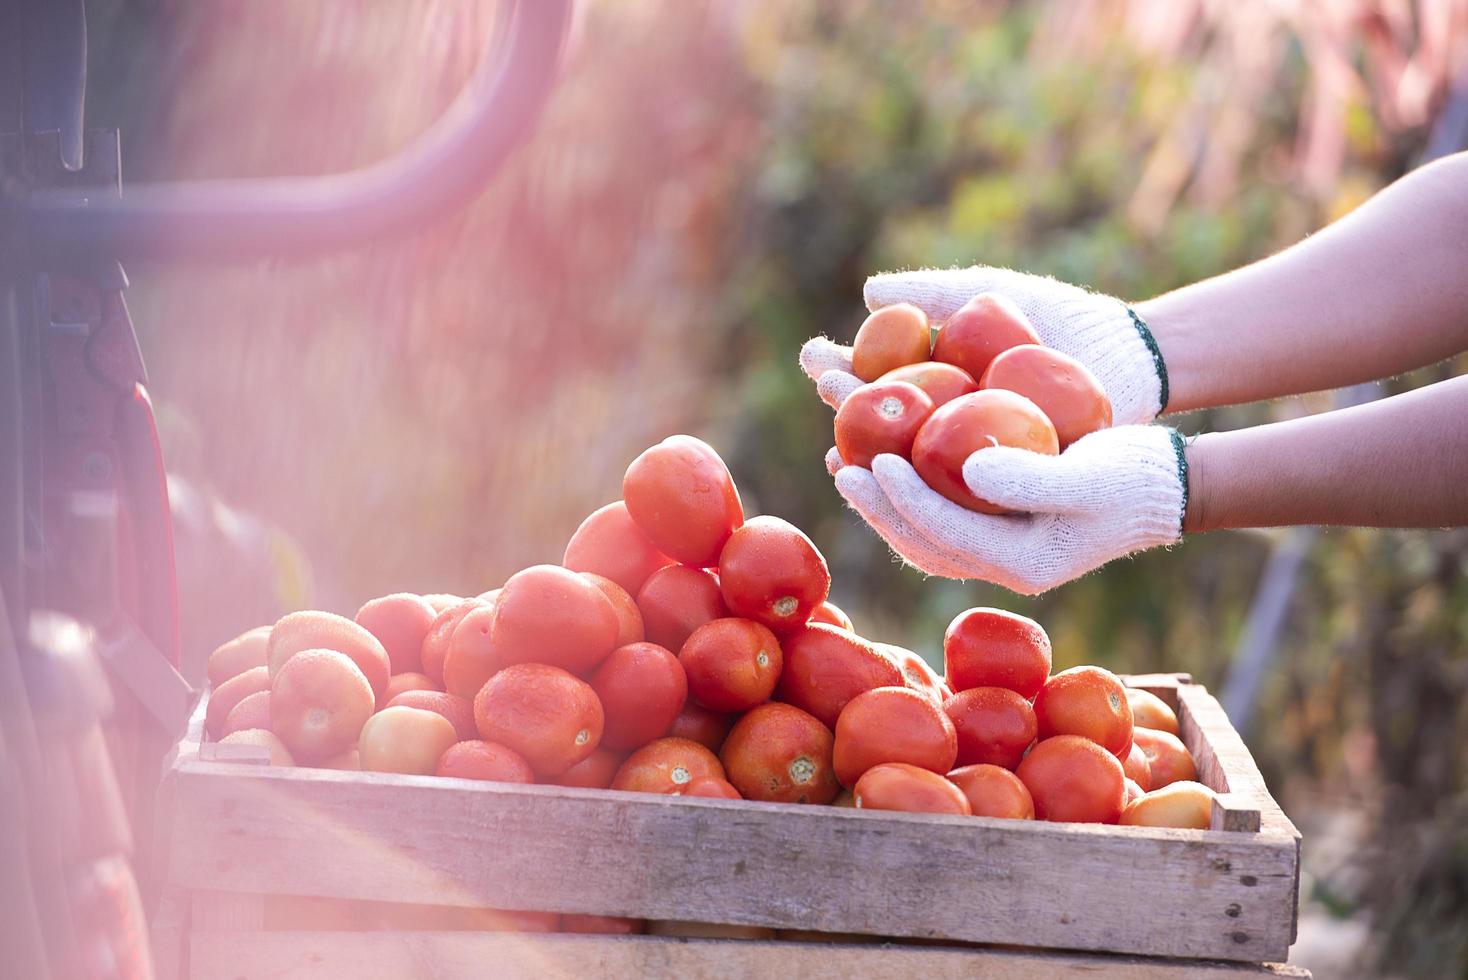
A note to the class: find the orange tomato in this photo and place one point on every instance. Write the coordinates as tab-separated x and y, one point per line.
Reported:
472	656
319	702
459	711
1087	701
970	423
780	754
825	667
994	725
547	614
609	543
238	655
400	622
941	382
410	681
681	495
596	771
1069	394
881	417
404	740
1168	759
1074	780
710	787
665	766
980	331
253	711
677	600
994	792
770	572
888	339
223	698
1150	711
992	648
913	789
642	687
476	759
832	615
892	724
629	617
549	716
699	724
732	664
312	629
1183	804
1136	767
440	632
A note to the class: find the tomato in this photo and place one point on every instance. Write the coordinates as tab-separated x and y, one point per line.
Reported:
223	698
1168	760
472	656
826	667
441	601
980	331
1150	711
677	600
1072	779
994	725
629	617
260	738
681	495
253	711
605	925
770	572
1134	791
596	771
642	688
319	701
667	765
459	711
609	543
707	728
398	683
877	418
400	622
1086	701
940	382
732	664
832	615
916	673
405	740
1136	767
547	614
475	759
314	630
986	647
549	716
957	430
1183	804
892	724
889	338
993	791
238	655
1069	394
436	640
899	786
780	754
710	787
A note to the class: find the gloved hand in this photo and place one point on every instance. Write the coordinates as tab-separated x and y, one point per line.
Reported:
1101	332
1111	493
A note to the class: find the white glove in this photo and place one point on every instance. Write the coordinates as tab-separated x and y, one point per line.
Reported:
1111	493
1101	332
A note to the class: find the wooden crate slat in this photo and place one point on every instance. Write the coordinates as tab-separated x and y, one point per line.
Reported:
421	839
391	955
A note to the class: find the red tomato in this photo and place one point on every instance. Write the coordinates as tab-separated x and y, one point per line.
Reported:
983	328
484	760
916	673
780	754
1072	779
973	422
400	622
596	771
732	664
398	683
825	667
899	786
710	787
1134	791
942	382
832	615
642	688
1086	701
994	792
1168	759
440	632
1069	395
986	647
459	711
549	716
994	725
472	656
665	766
609	543
547	614
699	724
770	572
877	418
1136	767
892	724
681	494
889	338
677	600
629	617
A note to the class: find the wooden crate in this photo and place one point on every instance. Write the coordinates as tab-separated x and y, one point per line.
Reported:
1174	902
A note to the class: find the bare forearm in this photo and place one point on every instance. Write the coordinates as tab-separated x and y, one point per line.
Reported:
1382	291
1400	462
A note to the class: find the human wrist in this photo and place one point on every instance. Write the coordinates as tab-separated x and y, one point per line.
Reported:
1197	512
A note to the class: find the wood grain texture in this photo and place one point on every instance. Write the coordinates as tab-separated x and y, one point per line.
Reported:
213	911
391	955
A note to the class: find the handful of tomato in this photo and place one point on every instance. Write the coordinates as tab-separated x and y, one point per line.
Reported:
985	381
682	649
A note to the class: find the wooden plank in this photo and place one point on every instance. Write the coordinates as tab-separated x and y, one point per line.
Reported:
390	955
419	839
212	911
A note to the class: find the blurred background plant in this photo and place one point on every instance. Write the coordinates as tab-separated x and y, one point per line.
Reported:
712	184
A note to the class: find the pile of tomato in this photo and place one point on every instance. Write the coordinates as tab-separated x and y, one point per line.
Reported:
986	380
681	649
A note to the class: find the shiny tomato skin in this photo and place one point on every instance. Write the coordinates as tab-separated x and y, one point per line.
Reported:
1066	391
994	724
916	673
677	600
459	711
472	656
994	791
832	615
910	789
1087	701
1150	711
547	614
986	647
1184	804
980	331
1168	759
825	667
629	617
666	766
683	498
772	573
968	424
779	754
550	717
892	724
609	543
400	622
1136	766
699	724
711	788
1074	780
941	382
642	688
881	417
732	664
596	771
440	632
477	759
889	338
